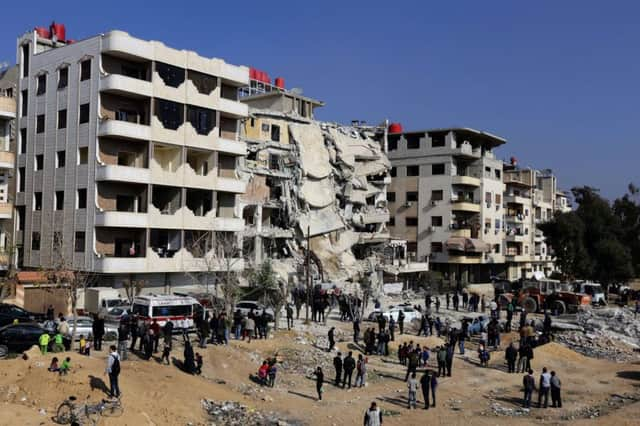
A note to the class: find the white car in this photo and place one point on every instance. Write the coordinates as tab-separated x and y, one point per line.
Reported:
114	315
410	313
246	306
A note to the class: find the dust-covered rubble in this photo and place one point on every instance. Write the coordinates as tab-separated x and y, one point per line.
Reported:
232	413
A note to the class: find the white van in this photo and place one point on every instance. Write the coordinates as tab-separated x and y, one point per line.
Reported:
181	310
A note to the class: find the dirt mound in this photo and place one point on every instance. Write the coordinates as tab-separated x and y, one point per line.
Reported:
556	350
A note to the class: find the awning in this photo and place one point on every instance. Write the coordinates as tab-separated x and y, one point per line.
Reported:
456	243
477	246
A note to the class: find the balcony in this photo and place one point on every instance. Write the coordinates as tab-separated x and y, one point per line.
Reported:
229	146
123	174
461	232
465	180
121	43
124	129
230	224
462	259
114	265
7	160
517	258
517	238
466	150
7	107
465	206
118	219
516	199
226	184
123	85
237	75
6	210
233	108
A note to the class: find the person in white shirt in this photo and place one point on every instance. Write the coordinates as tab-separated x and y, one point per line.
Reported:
113	370
545	386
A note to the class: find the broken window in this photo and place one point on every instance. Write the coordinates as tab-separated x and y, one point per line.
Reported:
60	158
275	133
392	221
265	127
83	155
63	77
23	141
172	76
202	119
437	139
487	198
21	179
436	221
393	172
84	114
171	114
85	70
24	102
40	124
411	221
391	197
498	174
413	170
413	141
437	169
393	142
412	196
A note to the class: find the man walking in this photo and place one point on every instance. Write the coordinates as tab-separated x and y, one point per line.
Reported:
401	322
545	386
556	401
450	350
289	316
337	364
529	385
113	370
412	385
349	364
331	337
356	330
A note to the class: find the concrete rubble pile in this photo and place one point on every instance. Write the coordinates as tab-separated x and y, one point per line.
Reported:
335	193
232	413
610	333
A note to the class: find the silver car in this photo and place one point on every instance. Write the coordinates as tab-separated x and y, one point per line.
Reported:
84	327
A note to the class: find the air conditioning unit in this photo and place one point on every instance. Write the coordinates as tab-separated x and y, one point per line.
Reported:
408	204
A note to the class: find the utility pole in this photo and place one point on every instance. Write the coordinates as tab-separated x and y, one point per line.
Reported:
308	264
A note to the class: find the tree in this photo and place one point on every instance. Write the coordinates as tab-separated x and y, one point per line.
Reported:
133	288
272	291
565	234
226	257
627	210
63	276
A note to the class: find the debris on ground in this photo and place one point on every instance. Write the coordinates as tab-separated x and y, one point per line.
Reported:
232	413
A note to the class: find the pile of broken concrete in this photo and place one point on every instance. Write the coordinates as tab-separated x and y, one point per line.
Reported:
232	413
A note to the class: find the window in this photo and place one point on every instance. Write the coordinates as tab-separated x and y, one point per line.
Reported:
24	102
436	221
411	221
526	249
498	199
496	248
25	60
412	196
85	70
21	177
497	224
60	158
437	169
498	174
265	127
488	198
59	200
37	201
171	114
83	155
275	133
392	142
413	141
172	76
437	195
23	141
63	77
84	113
79	242
393	172
42	85
413	170
392	221
436	247
35	241
39	163
81	198
40	124
62	119
391	197
437	139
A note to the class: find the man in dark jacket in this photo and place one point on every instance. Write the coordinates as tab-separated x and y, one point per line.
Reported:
529	385
337	364
123	339
356	330
331	338
425	383
450	351
401	322
556	400
349	364
455	300
412	364
98	332
510	355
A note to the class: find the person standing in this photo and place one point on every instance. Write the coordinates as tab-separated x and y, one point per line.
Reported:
113	371
412	385
437	304
392	328
401	322
556	400
361	371
425	383
523	360
332	339
545	387
44	342
450	350
156	335
356	330
50	313
373	416
510	355
349	364
168	333
412	364
98	332
448	299
289	316
249	327
455	300
319	380
189	357
337	364
434	385
442	361
123	339
529	385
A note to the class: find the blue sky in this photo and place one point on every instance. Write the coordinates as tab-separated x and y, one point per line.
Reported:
558	79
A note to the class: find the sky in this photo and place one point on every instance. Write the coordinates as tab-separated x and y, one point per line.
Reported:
557	79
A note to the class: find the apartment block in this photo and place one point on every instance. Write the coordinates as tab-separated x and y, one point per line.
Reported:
8	88
531	198
128	154
445	199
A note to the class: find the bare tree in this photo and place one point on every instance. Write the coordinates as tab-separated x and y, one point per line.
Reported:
7	283
65	277
272	291
133	288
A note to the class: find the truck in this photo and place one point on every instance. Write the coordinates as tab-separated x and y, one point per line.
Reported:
100	299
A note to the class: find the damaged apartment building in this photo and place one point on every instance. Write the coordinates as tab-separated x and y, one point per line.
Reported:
307	178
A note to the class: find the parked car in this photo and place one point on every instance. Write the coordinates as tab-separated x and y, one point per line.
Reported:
410	313
246	306
21	337
84	328
114	315
9	313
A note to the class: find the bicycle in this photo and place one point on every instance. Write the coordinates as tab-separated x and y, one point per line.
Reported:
69	412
